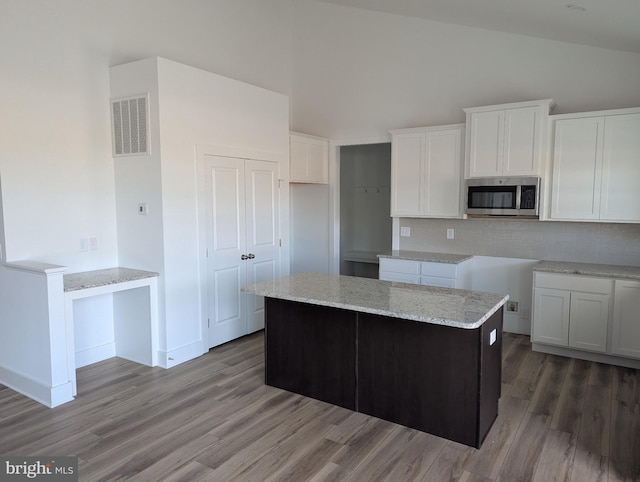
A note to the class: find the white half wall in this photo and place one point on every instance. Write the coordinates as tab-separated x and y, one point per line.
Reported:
510	276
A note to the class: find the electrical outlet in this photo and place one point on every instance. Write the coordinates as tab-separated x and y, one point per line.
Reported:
451	233
84	244
512	306
405	231
93	244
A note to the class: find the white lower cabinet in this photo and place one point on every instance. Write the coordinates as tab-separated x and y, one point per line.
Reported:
625	334
571	311
430	273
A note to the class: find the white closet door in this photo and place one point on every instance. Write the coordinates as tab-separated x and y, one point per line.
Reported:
263	240
243	242
226	244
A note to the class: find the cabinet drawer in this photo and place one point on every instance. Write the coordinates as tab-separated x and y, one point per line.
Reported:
574	283
442	270
399	277
400	265
437	281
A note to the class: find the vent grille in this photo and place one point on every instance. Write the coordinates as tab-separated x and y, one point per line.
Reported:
130	126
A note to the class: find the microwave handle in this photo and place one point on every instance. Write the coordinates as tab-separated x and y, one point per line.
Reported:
518	196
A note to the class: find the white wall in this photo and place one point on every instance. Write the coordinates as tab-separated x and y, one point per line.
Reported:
530	239
55	148
189	107
360	73
309	227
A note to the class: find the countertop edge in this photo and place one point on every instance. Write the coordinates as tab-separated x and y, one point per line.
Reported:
392	314
445	258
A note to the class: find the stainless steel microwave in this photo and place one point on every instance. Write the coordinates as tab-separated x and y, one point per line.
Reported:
503	196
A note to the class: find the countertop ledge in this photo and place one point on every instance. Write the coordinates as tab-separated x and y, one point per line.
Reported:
103	277
428	304
426	256
589	269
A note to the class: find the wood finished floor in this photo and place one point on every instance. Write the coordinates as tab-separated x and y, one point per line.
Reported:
214	419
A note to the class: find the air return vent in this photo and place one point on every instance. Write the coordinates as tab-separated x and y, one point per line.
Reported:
130	126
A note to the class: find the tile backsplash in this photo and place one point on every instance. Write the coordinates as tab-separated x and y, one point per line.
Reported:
529	239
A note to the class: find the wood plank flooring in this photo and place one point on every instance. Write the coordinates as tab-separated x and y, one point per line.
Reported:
214	419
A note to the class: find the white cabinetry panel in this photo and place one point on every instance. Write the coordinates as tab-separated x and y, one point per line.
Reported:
426	168
621	169
551	316
571	311
588	321
309	159
626	319
507	139
407	164
577	168
596	166
447	275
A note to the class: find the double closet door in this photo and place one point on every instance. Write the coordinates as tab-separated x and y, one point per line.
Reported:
243	242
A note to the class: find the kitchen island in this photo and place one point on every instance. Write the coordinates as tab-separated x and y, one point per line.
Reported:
424	357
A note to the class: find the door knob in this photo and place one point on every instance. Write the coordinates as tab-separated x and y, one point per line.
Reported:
244	257
251	256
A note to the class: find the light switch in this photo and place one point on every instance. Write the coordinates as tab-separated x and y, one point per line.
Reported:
450	233
143	209
405	231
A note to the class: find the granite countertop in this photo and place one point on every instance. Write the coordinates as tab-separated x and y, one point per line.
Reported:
441	306
426	256
103	277
589	269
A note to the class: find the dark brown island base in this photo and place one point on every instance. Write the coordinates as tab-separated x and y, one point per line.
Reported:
424	357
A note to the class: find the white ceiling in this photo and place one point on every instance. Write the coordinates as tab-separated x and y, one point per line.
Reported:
613	24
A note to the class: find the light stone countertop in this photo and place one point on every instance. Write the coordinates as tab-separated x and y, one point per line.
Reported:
426	256
589	269
441	306
103	277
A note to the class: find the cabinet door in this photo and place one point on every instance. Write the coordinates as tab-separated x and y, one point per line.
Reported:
626	319
551	316
588	321
442	176
318	162
298	159
577	169
309	159
486	143
521	141
407	160
620	197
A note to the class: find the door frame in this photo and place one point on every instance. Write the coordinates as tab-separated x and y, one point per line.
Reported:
282	159
334	196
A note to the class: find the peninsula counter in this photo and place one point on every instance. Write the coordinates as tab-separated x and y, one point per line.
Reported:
424	357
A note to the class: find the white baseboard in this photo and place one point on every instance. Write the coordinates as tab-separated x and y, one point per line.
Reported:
168	359
95	354
587	355
36	390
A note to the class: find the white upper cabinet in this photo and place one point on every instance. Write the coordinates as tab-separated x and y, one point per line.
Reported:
426	168
620	195
309	157
507	139
596	167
